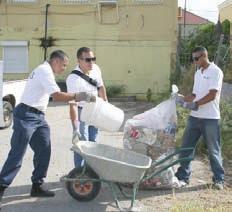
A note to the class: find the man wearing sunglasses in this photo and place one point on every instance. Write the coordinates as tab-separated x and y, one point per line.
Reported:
75	83
204	117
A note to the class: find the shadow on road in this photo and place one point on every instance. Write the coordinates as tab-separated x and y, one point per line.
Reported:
19	199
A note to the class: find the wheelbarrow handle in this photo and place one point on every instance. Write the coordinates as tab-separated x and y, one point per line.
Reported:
177	152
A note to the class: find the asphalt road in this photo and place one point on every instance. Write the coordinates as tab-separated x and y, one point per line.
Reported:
17	196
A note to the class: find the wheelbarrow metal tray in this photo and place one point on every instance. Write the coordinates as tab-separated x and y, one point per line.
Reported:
113	164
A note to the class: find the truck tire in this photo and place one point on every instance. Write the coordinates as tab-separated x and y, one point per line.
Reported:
7	114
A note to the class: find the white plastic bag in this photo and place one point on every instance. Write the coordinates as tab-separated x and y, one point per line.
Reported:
153	133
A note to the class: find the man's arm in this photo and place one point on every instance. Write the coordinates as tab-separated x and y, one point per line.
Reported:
102	93
194	105
63	97
73	113
208	98
81	96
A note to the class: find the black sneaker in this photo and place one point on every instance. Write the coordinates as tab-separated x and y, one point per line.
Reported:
38	191
1	195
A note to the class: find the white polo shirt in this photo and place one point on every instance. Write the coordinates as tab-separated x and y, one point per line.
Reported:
77	84
210	78
40	85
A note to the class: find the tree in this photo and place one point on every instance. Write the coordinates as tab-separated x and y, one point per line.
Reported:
208	36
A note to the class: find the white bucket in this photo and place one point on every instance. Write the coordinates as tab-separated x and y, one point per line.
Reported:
102	115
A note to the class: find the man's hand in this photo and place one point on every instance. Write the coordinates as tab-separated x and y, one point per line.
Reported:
83	96
190	105
76	133
76	137
180	99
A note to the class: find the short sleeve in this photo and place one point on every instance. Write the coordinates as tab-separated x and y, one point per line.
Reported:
216	80
48	82
99	76
194	84
72	85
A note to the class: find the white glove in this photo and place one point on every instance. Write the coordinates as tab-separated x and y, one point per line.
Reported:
84	96
190	105
76	133
76	137
179	99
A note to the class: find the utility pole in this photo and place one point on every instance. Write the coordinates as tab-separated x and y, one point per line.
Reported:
45	30
184	17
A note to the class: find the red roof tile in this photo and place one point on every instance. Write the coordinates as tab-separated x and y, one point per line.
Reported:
191	18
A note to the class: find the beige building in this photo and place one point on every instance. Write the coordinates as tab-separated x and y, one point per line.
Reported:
225	10
134	40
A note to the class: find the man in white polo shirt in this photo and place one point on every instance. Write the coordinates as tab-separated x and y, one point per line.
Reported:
204	117
75	83
30	126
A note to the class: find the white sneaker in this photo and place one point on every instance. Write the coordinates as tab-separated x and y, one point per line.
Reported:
218	186
182	184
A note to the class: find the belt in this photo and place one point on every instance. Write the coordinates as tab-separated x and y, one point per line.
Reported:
31	109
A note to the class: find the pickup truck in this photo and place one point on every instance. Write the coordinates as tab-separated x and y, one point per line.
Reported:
10	95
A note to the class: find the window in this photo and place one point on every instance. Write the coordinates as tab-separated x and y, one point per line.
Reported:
15	56
108	11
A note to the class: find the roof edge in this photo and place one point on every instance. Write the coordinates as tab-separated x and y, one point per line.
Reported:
225	4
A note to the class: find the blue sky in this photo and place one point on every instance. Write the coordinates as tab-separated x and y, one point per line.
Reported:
205	8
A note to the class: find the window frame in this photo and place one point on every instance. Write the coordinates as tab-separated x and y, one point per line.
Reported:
17	60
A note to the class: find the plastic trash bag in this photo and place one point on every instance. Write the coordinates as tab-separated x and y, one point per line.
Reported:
165	179
153	133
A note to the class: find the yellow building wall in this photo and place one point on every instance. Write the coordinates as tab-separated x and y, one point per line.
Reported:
134	43
226	13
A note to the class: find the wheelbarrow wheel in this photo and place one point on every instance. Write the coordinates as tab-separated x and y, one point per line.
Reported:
83	191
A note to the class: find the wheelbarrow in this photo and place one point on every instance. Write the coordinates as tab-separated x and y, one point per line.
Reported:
114	166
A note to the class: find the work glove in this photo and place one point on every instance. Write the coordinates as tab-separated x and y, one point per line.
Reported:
76	133
179	99
84	96
76	137
190	105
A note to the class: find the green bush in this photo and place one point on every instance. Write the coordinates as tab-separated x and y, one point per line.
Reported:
226	129
114	90
149	94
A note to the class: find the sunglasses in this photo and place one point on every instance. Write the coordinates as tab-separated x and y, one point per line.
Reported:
197	58
89	59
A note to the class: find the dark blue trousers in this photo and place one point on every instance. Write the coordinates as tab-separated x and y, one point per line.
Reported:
30	127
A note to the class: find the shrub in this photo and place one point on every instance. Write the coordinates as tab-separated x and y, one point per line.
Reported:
114	90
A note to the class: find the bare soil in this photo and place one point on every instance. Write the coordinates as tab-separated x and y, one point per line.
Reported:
198	195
